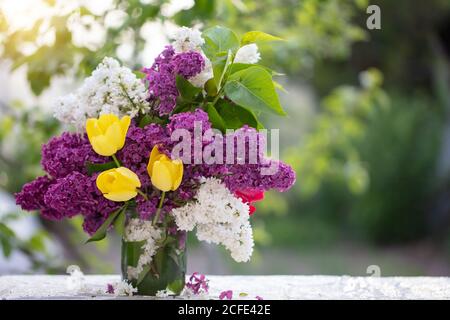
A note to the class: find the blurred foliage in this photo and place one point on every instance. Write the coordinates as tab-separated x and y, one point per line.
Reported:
367	166
326	30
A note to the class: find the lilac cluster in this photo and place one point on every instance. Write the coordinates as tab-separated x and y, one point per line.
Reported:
198	283
68	190
161	76
67	153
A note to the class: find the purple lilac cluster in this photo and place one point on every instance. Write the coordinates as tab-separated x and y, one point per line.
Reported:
67	153
67	190
161	76
198	283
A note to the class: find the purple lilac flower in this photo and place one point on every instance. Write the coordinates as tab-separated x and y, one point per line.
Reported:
187	120
92	222
228	294
67	153
139	143
32	195
72	195
109	288
147	208
197	283
161	76
188	64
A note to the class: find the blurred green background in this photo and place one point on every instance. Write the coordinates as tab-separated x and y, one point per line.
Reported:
368	129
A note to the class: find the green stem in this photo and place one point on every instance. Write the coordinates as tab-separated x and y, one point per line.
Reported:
116	161
142	194
158	211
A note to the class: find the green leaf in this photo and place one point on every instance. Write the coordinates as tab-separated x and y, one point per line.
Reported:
258	36
99	167
100	234
5	231
253	89
147	119
211	88
235	67
218	40
176	285
37	242
186	89
119	223
145	270
215	118
219	73
234	116
39	80
6	247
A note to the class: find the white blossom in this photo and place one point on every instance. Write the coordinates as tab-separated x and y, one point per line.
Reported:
110	89
140	230
123	288
200	79
163	293
219	217
76	280
247	54
187	39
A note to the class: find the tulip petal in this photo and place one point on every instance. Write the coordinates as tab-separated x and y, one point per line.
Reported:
114	135
178	173
124	125
161	178
154	155
103	146
106	120
120	196
131	177
92	128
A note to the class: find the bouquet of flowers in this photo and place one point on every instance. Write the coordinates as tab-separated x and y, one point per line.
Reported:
173	148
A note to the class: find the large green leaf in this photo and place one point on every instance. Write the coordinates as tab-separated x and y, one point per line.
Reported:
218	41
258	36
119	223
253	89
234	116
186	89
215	118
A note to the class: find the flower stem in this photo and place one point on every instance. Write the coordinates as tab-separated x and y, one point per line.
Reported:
142	194
116	161
158	211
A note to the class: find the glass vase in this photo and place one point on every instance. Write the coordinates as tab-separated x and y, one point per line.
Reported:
167	267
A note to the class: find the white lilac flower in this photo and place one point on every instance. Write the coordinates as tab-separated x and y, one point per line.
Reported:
110	89
123	288
200	79
247	54
142	230
219	217
187	39
76	280
163	294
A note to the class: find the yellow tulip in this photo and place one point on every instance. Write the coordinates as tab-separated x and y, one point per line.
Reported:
165	173
107	133
118	184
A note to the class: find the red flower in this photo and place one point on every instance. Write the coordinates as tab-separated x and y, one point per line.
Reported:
249	196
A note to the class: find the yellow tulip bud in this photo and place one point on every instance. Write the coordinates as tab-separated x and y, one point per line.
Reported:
107	133
166	174
118	184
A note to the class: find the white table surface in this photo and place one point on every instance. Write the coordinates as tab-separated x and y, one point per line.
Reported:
268	287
